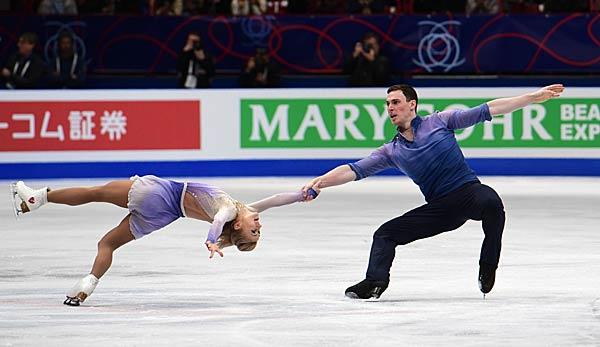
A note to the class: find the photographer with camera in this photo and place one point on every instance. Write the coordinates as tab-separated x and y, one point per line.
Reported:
260	71
195	66
366	67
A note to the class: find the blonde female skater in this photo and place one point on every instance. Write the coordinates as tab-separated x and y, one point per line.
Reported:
154	203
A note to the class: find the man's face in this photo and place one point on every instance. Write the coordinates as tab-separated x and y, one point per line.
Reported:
193	38
65	45
25	47
372	43
399	110
261	56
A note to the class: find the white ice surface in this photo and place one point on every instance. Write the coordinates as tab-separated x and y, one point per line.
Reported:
163	289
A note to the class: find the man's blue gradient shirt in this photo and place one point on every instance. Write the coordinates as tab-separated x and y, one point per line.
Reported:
433	160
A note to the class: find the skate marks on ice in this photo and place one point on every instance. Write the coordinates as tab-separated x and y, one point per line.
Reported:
596	308
290	290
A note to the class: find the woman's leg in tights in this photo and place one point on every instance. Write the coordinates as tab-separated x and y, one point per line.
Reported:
115	192
114	239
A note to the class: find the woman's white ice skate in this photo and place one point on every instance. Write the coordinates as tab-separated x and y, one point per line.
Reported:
81	290
28	199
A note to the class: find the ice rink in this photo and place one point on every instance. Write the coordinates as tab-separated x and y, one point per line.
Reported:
163	289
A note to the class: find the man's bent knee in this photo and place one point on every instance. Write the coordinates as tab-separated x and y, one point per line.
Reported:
387	235
493	203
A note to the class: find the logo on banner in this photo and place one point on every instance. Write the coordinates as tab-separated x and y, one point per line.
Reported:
257	29
356	123
99	125
439	48
281	123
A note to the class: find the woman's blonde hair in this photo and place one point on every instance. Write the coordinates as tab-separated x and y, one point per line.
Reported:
230	236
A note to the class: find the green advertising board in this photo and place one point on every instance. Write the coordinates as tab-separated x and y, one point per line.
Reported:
355	123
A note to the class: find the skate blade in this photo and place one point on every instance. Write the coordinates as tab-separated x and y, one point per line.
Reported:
17	202
352	295
355	296
77	300
71	301
373	299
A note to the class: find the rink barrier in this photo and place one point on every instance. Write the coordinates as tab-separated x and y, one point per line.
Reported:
275	132
298	167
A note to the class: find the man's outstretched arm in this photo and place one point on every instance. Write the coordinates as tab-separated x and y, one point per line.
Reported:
506	105
340	175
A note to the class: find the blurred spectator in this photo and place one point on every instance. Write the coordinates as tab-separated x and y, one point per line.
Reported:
177	7
67	69
561	6
402	6
24	6
521	6
298	7
248	7
194	7
57	7
163	8
222	7
127	6
260	72
366	66
277	6
24	69
327	7
439	6
195	66
366	7
482	7
93	6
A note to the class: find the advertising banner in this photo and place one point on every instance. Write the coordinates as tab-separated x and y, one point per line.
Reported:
356	123
258	132
99	125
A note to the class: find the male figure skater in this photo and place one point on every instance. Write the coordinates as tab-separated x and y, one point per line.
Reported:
426	150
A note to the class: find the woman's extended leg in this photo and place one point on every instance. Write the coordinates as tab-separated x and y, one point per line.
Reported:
114	192
114	239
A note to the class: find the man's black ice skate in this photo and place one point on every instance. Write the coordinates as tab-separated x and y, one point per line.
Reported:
487	277
367	289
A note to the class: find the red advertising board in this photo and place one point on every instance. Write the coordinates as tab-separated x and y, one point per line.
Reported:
99	125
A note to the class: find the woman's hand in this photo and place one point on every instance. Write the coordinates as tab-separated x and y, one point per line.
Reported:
212	248
311	190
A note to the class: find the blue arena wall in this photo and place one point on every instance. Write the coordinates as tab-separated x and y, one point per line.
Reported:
253	168
478	44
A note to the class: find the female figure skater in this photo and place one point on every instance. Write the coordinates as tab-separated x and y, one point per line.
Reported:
154	203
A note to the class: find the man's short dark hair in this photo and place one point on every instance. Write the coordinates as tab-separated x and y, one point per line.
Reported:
409	92
65	34
368	35
29	37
